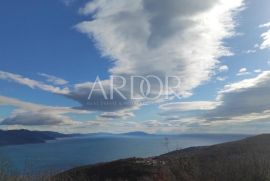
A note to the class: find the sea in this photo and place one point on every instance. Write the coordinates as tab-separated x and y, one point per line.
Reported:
63	154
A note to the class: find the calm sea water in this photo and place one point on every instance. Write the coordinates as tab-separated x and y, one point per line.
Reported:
63	154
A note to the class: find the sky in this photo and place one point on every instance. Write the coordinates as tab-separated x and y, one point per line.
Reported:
52	54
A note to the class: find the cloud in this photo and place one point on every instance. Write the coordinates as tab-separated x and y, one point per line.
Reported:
189	106
243	71
36	119
221	78
239	103
266	40
141	36
266	25
249	96
32	107
223	68
41	117
173	126
250	51
265	37
116	115
53	79
100	99
258	71
80	93
27	113
149	37
33	84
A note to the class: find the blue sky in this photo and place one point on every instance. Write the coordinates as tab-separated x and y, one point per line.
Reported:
52	51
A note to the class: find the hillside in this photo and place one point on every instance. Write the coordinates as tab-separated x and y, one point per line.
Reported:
15	137
245	160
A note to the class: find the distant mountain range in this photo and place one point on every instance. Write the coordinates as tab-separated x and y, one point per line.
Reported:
16	137
137	133
244	160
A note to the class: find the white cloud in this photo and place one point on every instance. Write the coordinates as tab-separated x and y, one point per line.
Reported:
117	115
243	71
189	106
266	25
98	102
221	78
266	40
250	51
142	36
265	37
223	68
239	103
243	98
32	107
258	71
53	79
32	83
162	38
80	93
36	119
31	114
41	117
